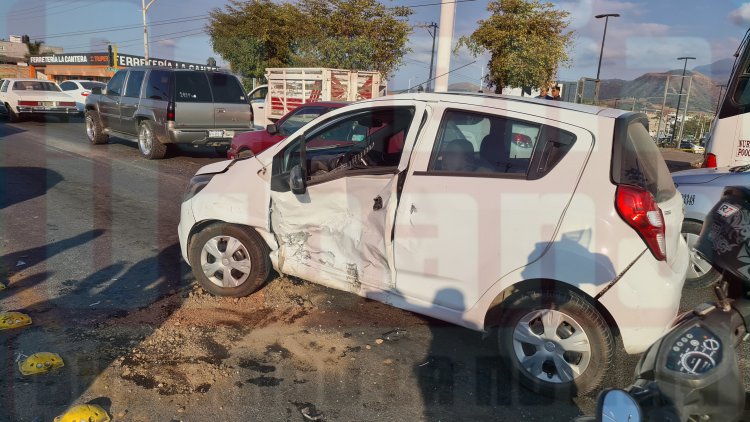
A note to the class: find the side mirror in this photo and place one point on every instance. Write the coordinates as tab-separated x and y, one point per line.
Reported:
97	90
618	406
272	129
297	180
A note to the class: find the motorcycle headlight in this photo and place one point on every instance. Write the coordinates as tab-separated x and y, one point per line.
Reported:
197	183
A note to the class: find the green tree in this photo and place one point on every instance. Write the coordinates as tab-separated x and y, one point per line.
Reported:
350	34
527	42
34	47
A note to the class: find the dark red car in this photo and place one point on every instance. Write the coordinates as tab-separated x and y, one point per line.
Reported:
260	140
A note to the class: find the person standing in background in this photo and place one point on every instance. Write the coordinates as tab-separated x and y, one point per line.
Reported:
556	93
543	93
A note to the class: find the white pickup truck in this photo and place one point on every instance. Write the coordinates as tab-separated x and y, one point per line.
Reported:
288	88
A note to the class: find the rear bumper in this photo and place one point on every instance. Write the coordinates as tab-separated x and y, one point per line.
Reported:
201	137
46	110
645	301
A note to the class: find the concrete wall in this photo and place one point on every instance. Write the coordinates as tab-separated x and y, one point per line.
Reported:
13	71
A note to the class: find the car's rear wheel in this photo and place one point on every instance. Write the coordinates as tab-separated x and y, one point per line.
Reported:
701	273
94	129
229	260
148	143
556	342
13	117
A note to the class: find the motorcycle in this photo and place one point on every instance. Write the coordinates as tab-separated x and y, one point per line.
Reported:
692	372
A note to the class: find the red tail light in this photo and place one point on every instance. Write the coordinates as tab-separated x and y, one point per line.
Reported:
85	94
66	104
709	161
28	103
639	209
170	111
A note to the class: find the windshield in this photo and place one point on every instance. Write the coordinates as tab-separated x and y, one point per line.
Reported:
299	118
92	85
35	86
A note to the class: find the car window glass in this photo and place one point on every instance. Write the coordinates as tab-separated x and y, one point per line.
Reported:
299	118
478	143
365	140
192	87
68	86
157	87
114	87
641	164
91	85
135	81
226	89
4	86
35	86
259	94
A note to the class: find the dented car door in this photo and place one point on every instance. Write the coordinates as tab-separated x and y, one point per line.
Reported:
338	231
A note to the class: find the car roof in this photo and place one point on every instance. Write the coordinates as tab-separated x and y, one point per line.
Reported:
502	101
330	104
171	68
27	80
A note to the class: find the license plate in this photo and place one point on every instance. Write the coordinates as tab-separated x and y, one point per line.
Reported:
215	133
46	103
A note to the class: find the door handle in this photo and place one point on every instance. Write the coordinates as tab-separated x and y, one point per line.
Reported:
378	203
221	110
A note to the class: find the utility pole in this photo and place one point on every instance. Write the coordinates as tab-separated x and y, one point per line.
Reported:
433	33
144	9
718	102
679	96
606	17
445	36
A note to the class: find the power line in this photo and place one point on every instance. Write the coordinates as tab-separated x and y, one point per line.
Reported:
105	42
39	8
58	12
434	4
124	27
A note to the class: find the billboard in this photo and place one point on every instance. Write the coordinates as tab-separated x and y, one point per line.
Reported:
121	60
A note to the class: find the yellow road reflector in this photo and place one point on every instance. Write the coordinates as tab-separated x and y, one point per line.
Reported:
84	413
39	363
10	320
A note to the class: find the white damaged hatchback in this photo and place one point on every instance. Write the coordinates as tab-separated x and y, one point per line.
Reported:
556	225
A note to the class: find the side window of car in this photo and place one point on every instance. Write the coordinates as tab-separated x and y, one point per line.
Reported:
135	81
365	140
192	87
114	87
4	86
67	86
226	89
475	143
157	87
260	94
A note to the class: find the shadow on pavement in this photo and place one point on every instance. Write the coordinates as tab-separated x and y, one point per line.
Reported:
18	184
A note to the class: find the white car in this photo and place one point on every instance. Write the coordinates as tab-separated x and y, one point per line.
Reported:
26	97
79	90
425	202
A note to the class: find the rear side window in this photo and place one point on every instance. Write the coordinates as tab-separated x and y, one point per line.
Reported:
192	87
135	81
226	89
114	87
157	87
92	85
637	161
68	86
4	86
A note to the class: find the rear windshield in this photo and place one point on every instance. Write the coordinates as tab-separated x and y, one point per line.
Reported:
92	85
226	89
637	161
192	87
35	86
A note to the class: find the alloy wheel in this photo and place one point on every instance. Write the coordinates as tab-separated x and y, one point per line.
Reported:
225	261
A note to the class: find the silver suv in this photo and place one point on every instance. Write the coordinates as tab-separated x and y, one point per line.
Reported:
161	106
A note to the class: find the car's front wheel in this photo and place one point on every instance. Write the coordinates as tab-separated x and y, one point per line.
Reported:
229	260
701	273
94	129
556	343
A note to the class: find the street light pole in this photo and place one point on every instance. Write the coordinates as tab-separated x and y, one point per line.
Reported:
718	102
679	96
606	17
144	9
434	27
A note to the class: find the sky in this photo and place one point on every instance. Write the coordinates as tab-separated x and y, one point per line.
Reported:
648	37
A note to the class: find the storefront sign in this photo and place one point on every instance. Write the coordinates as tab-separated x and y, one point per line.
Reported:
126	60
82	59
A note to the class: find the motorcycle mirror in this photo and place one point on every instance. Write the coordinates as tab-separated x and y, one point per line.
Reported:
618	406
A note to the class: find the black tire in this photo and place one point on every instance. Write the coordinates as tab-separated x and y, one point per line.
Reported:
148	143
13	117
94	128
255	250
571	307
698	277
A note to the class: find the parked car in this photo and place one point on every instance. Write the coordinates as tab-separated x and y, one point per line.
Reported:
79	90
423	201
701	189
259	140
26	97
199	108
691	147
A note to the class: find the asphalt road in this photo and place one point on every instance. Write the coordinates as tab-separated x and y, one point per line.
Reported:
89	250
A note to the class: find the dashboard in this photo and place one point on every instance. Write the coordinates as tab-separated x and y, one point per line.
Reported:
697	351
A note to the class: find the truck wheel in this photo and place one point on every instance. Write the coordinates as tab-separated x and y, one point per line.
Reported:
94	129
701	273
13	117
229	260
556	343
149	145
